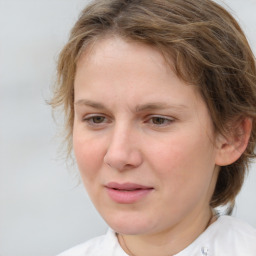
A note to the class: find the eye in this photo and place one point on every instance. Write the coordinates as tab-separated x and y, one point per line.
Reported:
95	120
160	120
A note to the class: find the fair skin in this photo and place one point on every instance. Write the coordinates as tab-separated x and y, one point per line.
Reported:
144	145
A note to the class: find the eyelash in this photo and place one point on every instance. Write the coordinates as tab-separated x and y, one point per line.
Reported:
165	120
91	120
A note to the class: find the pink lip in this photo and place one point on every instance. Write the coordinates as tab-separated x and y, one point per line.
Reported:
127	193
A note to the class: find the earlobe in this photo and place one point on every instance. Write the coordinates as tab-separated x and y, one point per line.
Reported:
232	146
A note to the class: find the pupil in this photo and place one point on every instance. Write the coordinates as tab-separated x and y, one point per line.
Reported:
158	120
98	119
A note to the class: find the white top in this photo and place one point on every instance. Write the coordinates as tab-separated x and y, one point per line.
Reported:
225	237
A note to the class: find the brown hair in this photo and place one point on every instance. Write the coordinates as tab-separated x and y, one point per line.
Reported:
207	47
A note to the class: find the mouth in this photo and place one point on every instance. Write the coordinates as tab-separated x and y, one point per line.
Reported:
127	193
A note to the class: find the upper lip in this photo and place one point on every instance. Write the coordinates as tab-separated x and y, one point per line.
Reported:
126	186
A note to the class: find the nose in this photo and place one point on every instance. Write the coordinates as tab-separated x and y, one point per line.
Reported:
123	152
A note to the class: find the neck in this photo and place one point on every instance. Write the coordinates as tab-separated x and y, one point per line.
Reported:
170	241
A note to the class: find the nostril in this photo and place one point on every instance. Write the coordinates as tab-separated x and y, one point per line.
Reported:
122	158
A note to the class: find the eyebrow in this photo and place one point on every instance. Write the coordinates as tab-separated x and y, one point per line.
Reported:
158	106
138	108
90	103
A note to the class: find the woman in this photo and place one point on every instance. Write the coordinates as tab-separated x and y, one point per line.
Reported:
160	101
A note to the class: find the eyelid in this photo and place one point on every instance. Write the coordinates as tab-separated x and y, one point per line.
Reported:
89	119
87	116
161	116
166	118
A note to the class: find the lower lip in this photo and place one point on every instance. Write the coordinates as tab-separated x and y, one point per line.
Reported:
127	197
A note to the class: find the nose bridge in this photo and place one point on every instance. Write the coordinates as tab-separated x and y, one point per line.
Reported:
123	151
124	133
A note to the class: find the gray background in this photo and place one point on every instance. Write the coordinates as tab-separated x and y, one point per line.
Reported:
42	209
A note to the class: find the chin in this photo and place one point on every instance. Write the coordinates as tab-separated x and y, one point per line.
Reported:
129	230
129	226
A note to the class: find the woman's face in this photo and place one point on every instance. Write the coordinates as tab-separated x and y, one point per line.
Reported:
142	138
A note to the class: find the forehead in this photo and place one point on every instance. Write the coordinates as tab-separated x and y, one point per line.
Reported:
113	67
107	47
127	58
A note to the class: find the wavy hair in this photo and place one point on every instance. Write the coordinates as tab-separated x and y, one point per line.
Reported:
207	47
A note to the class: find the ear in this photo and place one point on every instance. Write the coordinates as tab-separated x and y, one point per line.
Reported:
232	146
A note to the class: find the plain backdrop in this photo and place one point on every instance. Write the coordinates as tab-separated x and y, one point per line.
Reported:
42	209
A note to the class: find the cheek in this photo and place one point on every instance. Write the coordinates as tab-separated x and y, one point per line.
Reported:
184	161
88	154
184	172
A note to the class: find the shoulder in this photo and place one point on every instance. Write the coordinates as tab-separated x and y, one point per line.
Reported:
232	236
233	227
106	245
227	236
